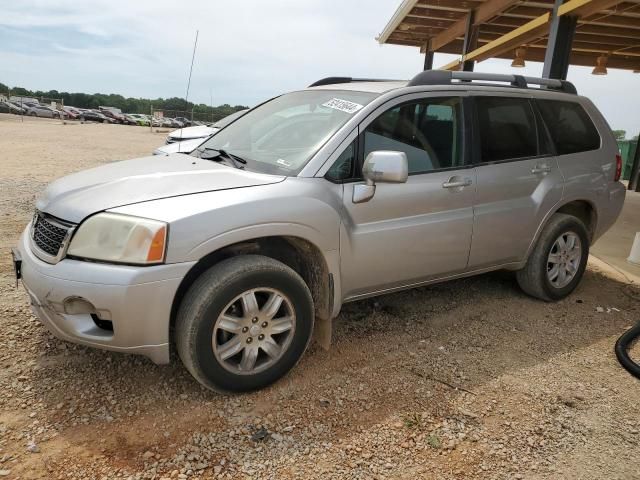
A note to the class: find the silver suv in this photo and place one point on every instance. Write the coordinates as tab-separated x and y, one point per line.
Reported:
344	190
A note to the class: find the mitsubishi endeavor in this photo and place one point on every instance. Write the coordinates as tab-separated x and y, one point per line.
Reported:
344	190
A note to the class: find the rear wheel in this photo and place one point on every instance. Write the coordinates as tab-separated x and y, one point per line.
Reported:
244	323
558	261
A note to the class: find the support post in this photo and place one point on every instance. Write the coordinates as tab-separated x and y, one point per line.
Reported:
428	55
561	33
470	41
634	178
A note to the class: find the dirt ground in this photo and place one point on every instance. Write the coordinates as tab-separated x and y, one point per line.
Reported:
466	379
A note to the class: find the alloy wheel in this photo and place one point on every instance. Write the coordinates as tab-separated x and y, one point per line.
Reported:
254	331
564	259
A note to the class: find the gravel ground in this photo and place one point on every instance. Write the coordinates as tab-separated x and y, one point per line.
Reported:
467	379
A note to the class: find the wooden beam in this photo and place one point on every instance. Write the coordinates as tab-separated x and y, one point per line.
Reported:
484	12
590	29
460	5
604	48
601	39
585	8
434	12
613	21
400	13
529	31
427	22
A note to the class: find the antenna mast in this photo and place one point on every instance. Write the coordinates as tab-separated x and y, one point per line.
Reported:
186	97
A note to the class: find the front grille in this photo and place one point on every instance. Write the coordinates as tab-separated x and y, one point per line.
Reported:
48	236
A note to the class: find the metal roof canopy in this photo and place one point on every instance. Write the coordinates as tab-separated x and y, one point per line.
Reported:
495	28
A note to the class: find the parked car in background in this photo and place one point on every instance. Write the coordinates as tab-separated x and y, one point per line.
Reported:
4	108
166	122
71	112
43	111
190	144
113	113
131	120
9	107
185	122
21	108
319	197
140	119
185	146
94	116
202	131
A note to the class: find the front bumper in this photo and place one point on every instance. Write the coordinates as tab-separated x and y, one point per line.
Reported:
136	300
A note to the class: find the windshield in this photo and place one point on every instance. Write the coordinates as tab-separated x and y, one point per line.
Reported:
281	136
223	122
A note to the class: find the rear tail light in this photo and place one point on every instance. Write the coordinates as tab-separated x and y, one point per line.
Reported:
618	167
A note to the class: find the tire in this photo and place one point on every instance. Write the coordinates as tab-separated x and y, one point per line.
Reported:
535	279
214	293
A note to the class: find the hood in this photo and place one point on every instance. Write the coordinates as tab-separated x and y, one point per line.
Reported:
185	146
76	196
199	131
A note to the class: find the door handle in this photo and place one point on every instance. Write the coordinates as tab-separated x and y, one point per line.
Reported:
542	168
456	183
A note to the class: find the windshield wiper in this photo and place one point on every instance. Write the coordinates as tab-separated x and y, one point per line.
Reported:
235	160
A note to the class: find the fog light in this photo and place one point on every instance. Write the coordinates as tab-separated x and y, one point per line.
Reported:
77	306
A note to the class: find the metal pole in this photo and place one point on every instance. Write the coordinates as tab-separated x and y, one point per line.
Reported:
561	33
634	178
428	55
470	41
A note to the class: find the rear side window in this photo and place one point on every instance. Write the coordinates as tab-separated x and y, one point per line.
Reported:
507	128
570	127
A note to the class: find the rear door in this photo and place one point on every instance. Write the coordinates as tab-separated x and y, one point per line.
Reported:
518	179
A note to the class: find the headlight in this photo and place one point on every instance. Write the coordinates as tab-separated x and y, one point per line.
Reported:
112	237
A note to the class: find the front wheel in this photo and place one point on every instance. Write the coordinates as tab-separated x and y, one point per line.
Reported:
558	261
244	323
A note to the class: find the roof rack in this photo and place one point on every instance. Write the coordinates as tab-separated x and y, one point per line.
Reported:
445	77
334	80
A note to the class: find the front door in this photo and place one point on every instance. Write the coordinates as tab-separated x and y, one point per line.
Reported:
518	178
411	232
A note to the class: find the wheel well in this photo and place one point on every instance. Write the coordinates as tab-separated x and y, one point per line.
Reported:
300	255
584	211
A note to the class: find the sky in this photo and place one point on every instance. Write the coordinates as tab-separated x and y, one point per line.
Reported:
247	51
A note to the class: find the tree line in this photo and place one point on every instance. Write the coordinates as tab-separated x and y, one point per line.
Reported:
127	105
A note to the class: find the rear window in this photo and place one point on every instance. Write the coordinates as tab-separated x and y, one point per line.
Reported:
570	127
507	128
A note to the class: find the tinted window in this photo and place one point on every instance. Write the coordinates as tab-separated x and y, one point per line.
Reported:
570	127
507	128
428	131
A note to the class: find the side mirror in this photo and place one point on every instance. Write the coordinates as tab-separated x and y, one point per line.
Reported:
381	166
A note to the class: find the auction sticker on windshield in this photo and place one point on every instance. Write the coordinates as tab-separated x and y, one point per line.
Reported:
343	105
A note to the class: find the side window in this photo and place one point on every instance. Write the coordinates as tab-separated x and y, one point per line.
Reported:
428	131
570	127
342	168
507	128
